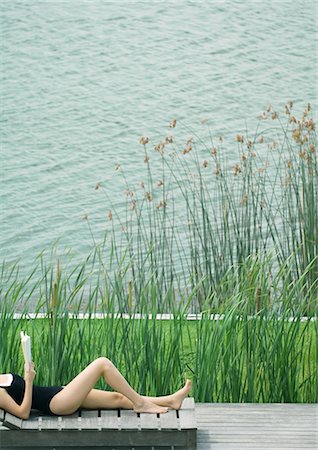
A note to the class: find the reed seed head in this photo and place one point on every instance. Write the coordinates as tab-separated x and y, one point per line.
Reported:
205	163
188	149
161	204
173	123
169	139
110	215
143	140
237	169
263	116
97	186
133	205
239	138
244	199
296	135
310	125
148	196
302	154
160	147
129	193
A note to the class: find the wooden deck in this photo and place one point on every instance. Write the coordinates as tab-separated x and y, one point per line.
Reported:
274	426
270	426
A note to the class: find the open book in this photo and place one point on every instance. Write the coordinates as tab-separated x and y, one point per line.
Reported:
26	347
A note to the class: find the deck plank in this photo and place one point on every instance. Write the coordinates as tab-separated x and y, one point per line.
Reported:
265	426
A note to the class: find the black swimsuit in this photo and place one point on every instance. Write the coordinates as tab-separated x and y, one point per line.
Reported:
41	396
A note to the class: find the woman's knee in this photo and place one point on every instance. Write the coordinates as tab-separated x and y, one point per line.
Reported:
120	400
103	363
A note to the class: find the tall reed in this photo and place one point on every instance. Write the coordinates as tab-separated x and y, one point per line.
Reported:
203	218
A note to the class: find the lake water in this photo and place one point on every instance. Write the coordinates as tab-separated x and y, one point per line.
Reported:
81	81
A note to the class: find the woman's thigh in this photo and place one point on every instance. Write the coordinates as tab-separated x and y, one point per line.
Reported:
74	393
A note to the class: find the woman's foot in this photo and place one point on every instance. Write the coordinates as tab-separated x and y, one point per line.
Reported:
151	408
178	397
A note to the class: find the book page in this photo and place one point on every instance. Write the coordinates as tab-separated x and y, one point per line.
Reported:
26	347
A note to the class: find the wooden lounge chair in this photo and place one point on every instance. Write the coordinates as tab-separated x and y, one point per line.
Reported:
103	429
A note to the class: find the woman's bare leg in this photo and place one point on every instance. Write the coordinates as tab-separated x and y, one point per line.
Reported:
98	399
173	401
74	394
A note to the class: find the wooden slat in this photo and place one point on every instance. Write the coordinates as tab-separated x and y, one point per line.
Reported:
71	422
149	421
89	420
187	415
129	420
89	414
109	419
12	422
188	403
168	421
32	423
250	405
50	423
259	445
90	423
211	436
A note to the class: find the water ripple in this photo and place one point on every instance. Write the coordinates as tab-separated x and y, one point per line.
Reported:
80	85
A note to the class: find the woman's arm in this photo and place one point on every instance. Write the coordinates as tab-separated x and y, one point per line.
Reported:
8	404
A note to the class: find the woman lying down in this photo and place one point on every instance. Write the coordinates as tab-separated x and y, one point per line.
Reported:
19	395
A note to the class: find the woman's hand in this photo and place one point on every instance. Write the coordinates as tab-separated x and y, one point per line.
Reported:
29	372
